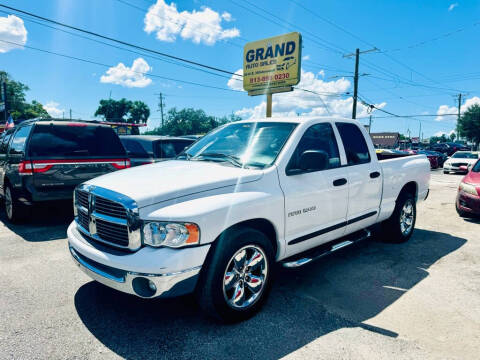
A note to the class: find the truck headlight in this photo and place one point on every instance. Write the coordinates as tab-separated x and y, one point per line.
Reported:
468	188
173	235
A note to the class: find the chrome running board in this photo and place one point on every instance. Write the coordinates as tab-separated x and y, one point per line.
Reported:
325	249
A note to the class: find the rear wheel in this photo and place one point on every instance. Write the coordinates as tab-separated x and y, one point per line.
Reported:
14	210
400	226
237	275
446	172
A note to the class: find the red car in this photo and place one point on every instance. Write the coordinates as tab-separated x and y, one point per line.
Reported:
468	197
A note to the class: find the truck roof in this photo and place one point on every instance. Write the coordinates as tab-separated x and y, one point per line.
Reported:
297	119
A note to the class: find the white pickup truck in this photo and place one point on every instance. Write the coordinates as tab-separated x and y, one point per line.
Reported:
246	196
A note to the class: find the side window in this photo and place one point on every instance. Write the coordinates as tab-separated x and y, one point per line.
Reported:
4	144
19	139
319	137
354	142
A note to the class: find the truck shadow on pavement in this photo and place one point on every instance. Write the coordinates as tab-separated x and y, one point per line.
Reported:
340	291
44	223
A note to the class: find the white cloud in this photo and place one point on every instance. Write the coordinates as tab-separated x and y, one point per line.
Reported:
306	57
53	109
129	76
452	6
447	134
204	26
445	109
321	73
12	29
306	103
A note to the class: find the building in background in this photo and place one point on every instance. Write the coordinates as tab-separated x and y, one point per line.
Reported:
385	140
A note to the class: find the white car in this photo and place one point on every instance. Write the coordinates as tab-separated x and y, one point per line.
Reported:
244	197
461	161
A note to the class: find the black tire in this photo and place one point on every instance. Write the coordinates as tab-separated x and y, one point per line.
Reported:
14	210
392	228
210	292
446	172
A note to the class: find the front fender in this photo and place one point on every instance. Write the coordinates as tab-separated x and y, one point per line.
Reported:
216	213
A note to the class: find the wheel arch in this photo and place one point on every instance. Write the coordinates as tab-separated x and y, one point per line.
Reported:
261	224
409	188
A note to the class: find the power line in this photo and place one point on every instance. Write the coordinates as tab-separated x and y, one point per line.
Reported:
124	49
118	41
109	66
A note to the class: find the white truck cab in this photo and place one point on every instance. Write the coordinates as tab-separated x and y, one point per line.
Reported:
246	196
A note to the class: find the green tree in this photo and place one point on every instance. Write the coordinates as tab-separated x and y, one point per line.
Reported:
139	112
123	110
438	139
452	136
17	105
189	122
469	124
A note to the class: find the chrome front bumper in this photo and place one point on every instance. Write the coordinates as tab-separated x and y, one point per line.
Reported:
147	273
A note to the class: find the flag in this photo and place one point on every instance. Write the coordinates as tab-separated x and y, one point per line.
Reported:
10	124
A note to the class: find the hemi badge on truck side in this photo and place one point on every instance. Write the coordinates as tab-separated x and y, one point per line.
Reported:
299	212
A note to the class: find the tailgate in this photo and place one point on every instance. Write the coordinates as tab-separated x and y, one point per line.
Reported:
64	175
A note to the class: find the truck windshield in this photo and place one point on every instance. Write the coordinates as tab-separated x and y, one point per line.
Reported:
255	144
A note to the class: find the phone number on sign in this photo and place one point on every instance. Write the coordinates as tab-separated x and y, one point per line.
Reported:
266	78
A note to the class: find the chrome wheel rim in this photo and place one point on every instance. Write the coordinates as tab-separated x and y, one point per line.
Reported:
8	203
406	217
245	277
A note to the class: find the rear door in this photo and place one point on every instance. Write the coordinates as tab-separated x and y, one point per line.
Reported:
64	155
365	178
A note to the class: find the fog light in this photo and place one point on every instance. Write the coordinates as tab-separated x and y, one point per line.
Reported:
152	286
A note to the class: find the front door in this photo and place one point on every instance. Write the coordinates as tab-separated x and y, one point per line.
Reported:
315	201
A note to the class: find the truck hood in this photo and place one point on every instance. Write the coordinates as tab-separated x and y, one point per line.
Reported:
167	180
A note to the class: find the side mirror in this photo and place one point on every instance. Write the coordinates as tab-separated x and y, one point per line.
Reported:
313	160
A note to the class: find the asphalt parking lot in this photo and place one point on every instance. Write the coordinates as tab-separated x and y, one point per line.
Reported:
416	300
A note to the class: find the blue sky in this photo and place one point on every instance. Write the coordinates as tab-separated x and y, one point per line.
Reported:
428	54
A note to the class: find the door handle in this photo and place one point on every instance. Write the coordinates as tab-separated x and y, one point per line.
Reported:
374	174
339	182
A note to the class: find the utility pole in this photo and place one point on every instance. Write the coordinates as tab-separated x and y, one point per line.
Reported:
355	77
459	98
70	114
370	124
161	105
5	103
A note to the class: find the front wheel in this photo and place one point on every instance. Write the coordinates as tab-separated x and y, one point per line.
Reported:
399	227
237	275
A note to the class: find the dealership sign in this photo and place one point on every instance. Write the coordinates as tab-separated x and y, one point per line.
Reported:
272	65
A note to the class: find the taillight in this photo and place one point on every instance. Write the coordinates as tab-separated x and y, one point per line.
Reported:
122	164
25	168
30	167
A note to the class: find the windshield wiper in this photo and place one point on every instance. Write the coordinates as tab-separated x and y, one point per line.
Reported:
230	158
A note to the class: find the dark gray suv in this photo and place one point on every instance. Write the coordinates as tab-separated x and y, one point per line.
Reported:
44	160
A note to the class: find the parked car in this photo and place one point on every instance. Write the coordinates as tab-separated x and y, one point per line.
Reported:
44	160
449	148
147	149
441	157
460	161
468	196
247	195
433	158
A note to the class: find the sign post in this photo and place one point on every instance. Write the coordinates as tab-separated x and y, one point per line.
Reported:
272	66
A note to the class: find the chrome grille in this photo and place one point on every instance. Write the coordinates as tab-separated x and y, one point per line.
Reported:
82	198
459	164
117	234
83	219
108	217
110	208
